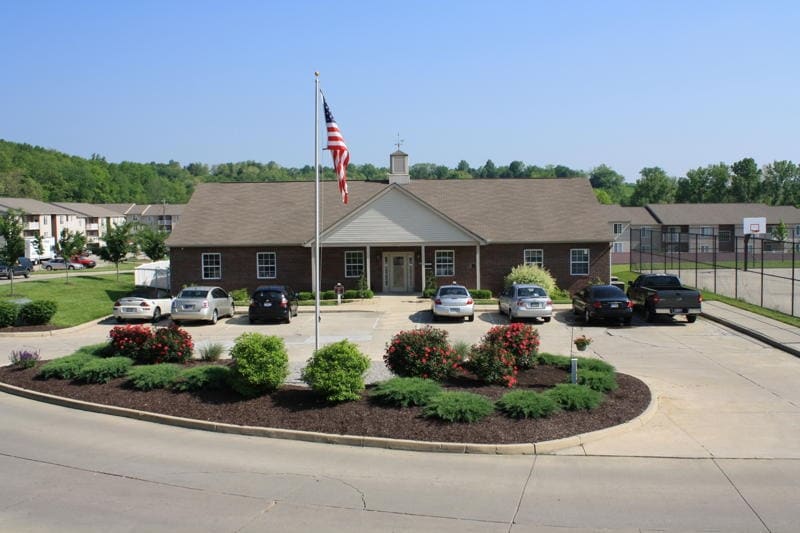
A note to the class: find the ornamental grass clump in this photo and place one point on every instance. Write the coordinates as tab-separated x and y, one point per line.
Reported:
260	364
206	377
104	370
458	407
405	392
572	397
211	351
150	377
526	404
336	371
422	353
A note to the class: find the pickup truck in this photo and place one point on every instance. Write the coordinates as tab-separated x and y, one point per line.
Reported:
661	294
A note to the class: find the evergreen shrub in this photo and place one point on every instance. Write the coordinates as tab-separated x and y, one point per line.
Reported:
104	370
458	407
149	377
261	364
597	380
571	397
336	371
405	392
65	367
9	311
37	312
526	404
206	377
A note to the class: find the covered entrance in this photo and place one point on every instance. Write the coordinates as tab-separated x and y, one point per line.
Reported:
398	271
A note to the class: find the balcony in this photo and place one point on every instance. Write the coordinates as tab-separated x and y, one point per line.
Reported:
94	226
30	226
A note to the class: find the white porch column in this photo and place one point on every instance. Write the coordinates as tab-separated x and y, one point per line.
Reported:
478	266
422	267
369	269
313	269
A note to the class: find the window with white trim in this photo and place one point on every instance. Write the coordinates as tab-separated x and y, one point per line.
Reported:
445	263
619	227
619	247
266	265
353	264
579	261
706	230
533	256
212	266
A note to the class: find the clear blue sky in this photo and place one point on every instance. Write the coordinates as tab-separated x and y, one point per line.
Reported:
629	84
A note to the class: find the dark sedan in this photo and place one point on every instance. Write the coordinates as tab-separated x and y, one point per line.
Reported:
602	302
273	302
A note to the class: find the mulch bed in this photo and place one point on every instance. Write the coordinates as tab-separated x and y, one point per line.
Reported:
296	407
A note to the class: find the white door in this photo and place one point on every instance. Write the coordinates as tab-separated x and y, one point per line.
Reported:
397	271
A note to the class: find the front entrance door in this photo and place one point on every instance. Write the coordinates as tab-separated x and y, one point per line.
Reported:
398	270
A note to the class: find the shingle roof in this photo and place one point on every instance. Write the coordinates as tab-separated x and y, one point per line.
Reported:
715	214
638	216
33	207
90	210
525	210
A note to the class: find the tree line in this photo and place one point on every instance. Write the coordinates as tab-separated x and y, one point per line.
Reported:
28	171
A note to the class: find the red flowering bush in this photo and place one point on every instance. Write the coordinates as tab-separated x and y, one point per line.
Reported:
520	340
130	340
422	353
146	345
494	364
502	352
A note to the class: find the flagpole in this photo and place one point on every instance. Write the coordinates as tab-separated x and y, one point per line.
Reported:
316	212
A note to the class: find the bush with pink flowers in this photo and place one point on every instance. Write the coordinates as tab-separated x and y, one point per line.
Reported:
422	353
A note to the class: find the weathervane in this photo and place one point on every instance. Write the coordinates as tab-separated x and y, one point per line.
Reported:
399	142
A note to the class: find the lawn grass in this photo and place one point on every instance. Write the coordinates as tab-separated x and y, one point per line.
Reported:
79	300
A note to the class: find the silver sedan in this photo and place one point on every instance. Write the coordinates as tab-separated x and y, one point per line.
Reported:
525	301
453	301
202	303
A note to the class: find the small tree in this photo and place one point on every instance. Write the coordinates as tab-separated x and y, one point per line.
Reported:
152	242
14	247
780	233
118	244
70	243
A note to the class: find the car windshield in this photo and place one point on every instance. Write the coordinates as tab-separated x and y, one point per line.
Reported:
529	292
193	294
663	281
453	291
607	292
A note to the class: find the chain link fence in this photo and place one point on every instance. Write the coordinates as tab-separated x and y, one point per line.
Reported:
757	270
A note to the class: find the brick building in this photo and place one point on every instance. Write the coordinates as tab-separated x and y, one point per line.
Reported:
400	234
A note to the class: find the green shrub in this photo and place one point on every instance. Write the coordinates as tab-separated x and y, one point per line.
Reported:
458	407
403	392
337	371
65	367
350	294
421	353
526	404
531	274
305	295
559	361
149	377
597	380
597	365
37	312
480	294
9	311
211	351
261	363
101	349
521	341
328	295
367	294
240	295
206	377
104	370
572	397
24	358
429	292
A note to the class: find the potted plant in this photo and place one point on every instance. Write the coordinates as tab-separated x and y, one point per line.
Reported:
582	342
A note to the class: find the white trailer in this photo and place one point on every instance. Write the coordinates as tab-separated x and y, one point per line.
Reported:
155	274
32	250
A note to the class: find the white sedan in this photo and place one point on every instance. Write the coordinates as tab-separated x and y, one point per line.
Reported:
144	303
59	263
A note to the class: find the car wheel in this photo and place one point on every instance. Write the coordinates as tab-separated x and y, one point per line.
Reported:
691	319
627	321
156	315
27	275
176	322
575	311
587	317
435	317
70	268
119	319
251	320
649	315
233	310
546	319
214	317
471	318
289	316
48	267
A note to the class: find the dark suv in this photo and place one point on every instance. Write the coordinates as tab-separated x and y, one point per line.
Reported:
273	302
23	268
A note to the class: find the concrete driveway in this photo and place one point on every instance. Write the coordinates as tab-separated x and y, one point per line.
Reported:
720	454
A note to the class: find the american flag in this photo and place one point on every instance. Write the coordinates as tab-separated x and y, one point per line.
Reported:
338	149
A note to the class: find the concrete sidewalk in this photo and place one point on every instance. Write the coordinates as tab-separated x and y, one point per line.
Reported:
777	334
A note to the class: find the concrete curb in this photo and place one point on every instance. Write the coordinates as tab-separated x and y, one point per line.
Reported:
538	448
52	332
